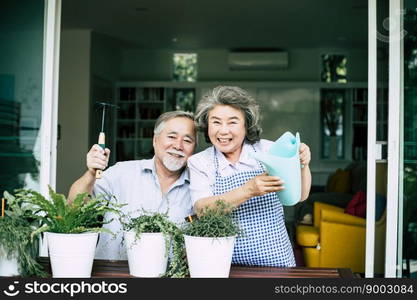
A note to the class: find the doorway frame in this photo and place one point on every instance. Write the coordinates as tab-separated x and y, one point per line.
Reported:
52	30
393	249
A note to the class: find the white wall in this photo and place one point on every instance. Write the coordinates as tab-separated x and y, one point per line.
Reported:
73	109
294	110
89	66
297	109
106	60
106	57
304	65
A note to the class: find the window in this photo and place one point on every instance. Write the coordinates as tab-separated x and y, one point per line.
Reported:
21	95
185	67
184	99
334	68
332	112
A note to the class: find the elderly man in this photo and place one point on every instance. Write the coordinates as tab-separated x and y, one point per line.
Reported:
159	184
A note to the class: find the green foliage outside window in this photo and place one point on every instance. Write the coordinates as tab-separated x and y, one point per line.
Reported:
184	99
185	67
332	107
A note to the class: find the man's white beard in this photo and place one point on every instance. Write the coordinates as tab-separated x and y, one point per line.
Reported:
173	164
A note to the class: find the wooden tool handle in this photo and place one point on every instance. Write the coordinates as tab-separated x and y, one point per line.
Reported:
3	205
98	174
102	144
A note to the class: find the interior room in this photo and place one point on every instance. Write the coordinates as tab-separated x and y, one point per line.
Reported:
126	49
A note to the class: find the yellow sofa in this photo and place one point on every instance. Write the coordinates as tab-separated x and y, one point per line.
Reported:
337	239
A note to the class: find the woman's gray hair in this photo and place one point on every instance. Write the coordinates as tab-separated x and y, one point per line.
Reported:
162	119
237	98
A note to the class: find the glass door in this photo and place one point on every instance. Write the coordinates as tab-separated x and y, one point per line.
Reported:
407	253
400	255
377	160
29	48
28	58
21	71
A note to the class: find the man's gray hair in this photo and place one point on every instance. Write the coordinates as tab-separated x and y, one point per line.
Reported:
237	98
162	119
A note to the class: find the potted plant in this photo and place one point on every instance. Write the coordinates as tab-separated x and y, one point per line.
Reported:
209	241
18	252
148	239
71	229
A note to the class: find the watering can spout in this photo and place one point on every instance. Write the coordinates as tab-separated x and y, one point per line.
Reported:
286	146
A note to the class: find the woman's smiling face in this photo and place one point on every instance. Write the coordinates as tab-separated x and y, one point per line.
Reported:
226	130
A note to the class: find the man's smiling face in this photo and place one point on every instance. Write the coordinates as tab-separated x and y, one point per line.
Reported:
175	143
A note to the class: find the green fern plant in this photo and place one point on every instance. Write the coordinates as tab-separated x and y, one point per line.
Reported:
213	221
84	214
15	236
157	222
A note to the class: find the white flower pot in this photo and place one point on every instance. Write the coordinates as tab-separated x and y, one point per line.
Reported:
8	267
147	256
209	257
71	255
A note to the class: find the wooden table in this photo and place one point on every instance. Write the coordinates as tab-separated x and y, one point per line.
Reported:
120	269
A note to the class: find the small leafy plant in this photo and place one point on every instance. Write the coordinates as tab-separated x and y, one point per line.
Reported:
15	236
214	222
84	214
157	222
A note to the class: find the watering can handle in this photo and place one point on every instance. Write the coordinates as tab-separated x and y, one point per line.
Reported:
297	137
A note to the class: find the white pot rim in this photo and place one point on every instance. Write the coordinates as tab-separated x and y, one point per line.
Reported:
15	255
72	234
143	233
207	238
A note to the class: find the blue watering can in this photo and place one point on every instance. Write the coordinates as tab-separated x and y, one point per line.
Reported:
283	160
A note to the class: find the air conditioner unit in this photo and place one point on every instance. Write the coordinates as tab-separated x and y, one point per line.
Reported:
267	60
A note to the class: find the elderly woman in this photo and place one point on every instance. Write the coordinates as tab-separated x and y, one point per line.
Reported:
229	118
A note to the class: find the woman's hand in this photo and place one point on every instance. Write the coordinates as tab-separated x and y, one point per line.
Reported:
305	154
263	184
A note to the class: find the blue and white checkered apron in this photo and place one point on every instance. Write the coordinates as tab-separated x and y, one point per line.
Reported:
264	240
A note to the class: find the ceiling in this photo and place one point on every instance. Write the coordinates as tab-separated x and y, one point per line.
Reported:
219	24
